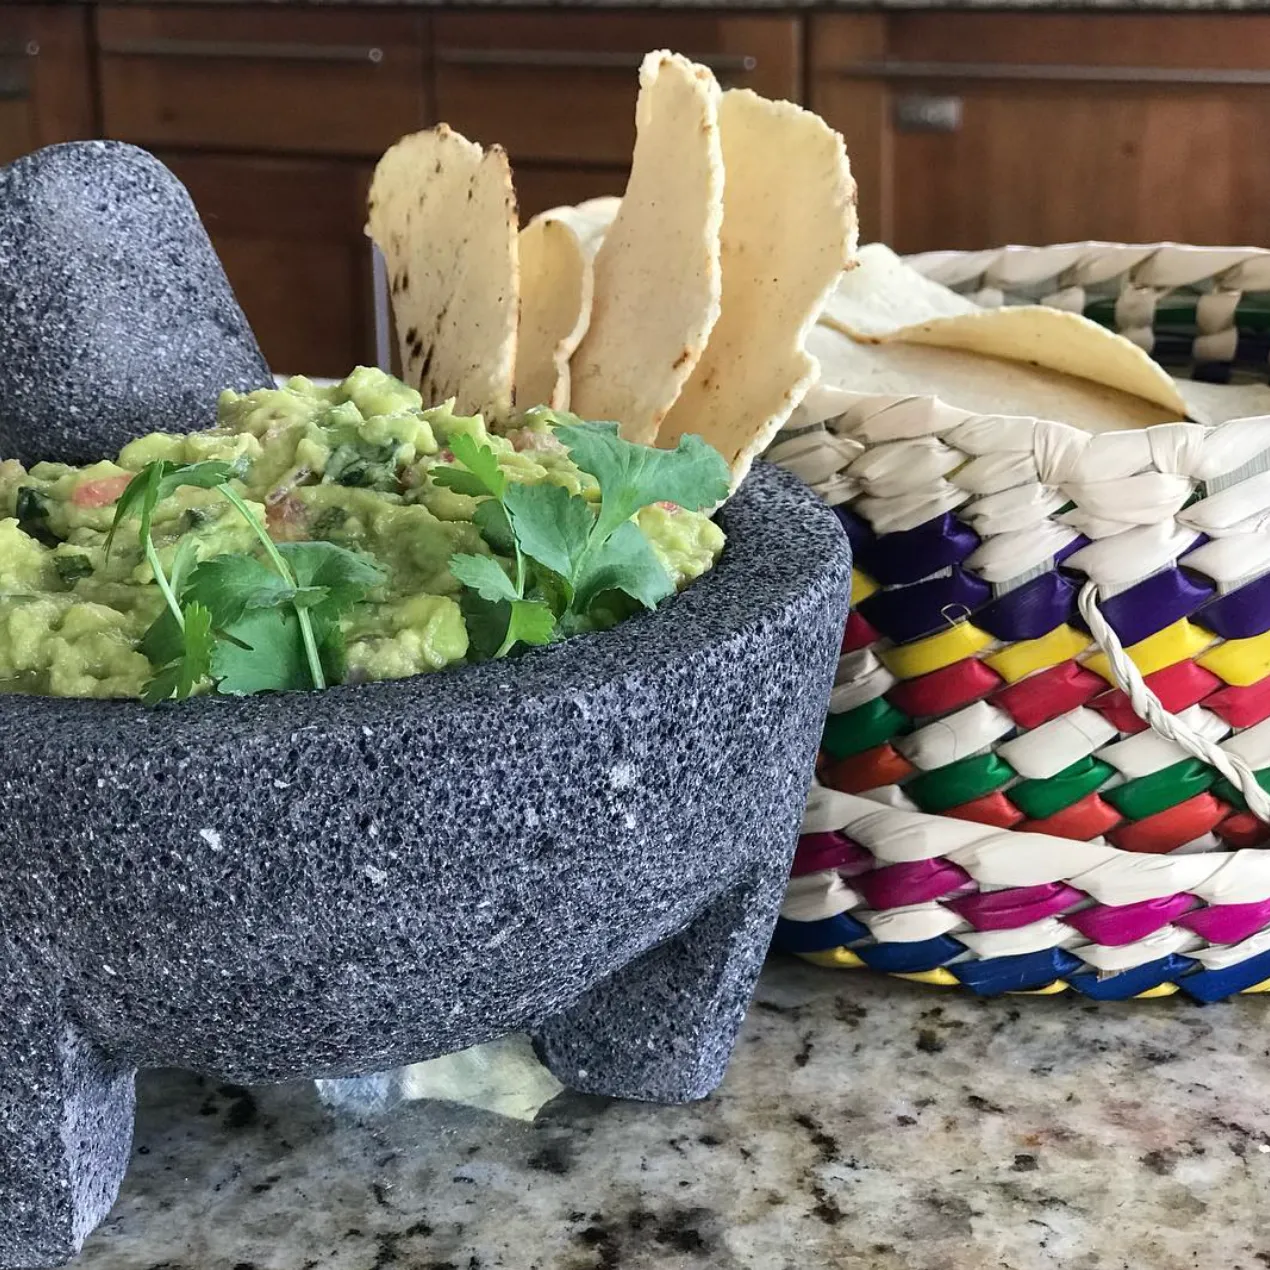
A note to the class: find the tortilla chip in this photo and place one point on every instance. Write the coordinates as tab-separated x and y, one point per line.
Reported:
972	381
887	300
443	212
589	220
882	294
789	230
556	279
657	278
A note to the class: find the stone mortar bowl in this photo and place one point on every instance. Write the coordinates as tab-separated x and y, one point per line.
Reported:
589	843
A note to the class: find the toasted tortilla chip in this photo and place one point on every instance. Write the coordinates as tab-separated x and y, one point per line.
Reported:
972	381
887	300
443	212
589	220
556	279
657	280
785	242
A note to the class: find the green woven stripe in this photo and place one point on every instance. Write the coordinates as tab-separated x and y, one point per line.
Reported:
1228	793
1037	799
854	731
1251	314
1143	797
959	782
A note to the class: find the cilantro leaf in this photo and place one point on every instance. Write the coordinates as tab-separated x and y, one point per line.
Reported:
163	642
332	649
185	672
160	480
693	475
551	525
345	575
490	518
530	623
482	469
626	562
184	558
485	576
230	585
264	653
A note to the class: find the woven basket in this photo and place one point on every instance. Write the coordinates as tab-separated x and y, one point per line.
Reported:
1043	765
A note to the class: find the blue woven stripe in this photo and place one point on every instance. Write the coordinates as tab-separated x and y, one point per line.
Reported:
804	937
1016	974
1213	985
1129	983
910	959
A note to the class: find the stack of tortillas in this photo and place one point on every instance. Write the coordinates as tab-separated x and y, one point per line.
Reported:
684	307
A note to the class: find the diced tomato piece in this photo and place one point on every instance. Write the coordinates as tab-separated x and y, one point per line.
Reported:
287	519
100	493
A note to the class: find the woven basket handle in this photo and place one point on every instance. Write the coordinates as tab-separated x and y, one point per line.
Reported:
1147	706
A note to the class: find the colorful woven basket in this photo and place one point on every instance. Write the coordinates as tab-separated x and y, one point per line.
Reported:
1049	741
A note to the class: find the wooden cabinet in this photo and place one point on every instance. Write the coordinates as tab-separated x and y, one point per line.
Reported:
970	130
557	89
45	77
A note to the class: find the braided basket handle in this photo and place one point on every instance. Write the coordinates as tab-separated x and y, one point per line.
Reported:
1147	706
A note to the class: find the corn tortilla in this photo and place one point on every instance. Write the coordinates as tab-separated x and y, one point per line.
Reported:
657	279
443	212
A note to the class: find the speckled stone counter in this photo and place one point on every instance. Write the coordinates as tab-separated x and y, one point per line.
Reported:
1108	6
864	1125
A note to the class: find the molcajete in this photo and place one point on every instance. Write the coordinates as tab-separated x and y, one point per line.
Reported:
590	843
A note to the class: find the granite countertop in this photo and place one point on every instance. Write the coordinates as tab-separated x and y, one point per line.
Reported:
865	1124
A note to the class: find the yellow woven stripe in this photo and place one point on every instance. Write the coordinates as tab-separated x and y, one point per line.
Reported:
1030	655
922	656
940	977
1179	642
1263	986
834	959
1239	662
1160	990
862	586
1052	989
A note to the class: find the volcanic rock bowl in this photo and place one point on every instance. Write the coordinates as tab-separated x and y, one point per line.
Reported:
589	843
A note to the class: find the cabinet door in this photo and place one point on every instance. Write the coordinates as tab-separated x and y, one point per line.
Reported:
289	232
45	79
557	89
277	78
982	129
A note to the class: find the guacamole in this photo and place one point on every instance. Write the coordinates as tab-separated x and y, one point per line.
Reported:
351	464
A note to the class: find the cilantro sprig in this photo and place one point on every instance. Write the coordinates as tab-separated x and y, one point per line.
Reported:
233	619
565	556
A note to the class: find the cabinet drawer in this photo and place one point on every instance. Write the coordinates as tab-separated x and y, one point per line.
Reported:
289	233
562	86
347	82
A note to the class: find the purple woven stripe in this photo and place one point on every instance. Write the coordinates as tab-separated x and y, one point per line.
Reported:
1007	910
1071	549
1123	923
1240	614
907	613
1155	603
1227	923
913	554
819	851
913	882
1030	610
859	533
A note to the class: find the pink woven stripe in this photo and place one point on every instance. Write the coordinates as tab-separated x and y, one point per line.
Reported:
1006	910
1228	923
818	851
913	882
1123	923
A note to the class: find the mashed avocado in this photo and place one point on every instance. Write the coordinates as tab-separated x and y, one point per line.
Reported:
350	464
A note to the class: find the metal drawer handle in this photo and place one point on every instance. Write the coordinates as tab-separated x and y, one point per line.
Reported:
1056	73
244	50
569	59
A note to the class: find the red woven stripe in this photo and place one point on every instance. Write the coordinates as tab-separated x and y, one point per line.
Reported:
1089	818
1243	829
1018	906
910	882
992	809
1168	830
1242	707
1178	686
944	690
859	634
882	765
1039	698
